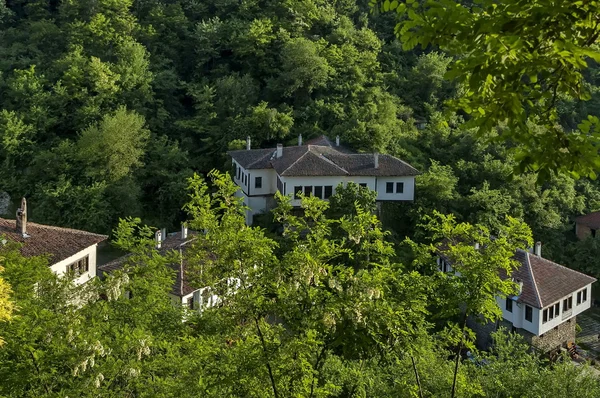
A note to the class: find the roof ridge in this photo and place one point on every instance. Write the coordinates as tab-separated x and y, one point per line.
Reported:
561	266
400	160
332	162
295	161
53	227
261	158
537	292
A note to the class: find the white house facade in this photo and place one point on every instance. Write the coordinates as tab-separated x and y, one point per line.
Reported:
549	300
69	250
316	168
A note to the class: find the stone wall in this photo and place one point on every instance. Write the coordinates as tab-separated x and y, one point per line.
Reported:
557	337
552	339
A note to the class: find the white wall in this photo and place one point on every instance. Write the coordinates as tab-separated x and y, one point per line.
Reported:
409	188
517	316
334	181
577	309
60	268
269	182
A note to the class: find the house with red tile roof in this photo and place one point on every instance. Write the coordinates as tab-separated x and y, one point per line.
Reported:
183	292
587	225
316	168
545	310
68	250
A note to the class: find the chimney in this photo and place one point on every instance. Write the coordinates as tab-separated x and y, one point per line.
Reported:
158	238
279	150
163	234
376	155
538	249
337	140
299	139
22	218
184	230
248	143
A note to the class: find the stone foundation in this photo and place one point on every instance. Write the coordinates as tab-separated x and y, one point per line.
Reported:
551	340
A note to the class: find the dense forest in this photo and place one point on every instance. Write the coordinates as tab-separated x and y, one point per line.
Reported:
108	108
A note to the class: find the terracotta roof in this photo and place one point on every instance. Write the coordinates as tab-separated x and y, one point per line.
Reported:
59	243
544	281
181	287
322	159
591	220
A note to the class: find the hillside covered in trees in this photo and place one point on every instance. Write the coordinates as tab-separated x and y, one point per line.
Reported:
109	107
106	107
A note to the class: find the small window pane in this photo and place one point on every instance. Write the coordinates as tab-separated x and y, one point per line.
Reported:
258	182
584	295
328	191
557	309
545	316
389	187
363	184
297	190
509	304
399	187
319	192
308	190
528	313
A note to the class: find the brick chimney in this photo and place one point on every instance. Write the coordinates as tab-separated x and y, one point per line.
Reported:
279	151
22	218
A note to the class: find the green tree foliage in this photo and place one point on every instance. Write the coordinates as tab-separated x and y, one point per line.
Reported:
516	62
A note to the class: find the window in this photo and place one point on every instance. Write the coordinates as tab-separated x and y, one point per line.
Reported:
239	172
581	296
389	187
190	303
545	316
528	313
509	304
363	184
557	309
551	312
297	190
328	191
399	187
307	190
319	192
567	304
79	267
257	182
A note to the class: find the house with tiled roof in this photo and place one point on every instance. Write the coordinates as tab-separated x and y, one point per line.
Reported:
587	225
183	292
316	168
545	310
68	250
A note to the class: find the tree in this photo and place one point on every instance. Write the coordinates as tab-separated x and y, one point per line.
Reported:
516	61
479	260
111	149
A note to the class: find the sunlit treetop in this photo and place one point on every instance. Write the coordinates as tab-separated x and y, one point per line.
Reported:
515	59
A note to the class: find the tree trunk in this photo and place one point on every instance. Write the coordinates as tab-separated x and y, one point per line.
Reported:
262	341
417	376
460	345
